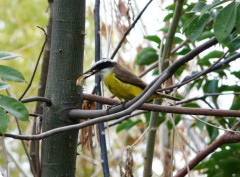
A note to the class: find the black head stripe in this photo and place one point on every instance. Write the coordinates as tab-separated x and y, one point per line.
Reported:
101	64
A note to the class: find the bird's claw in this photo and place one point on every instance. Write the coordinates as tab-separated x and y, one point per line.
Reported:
121	103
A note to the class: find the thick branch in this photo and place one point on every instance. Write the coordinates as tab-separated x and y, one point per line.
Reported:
139	100
84	114
75	112
163	64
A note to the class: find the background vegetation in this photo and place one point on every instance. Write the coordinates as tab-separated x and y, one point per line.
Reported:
179	137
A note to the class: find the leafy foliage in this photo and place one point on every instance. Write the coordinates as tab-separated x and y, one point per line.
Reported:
225	162
8	103
225	21
8	73
126	125
200	22
147	56
196	26
7	55
14	107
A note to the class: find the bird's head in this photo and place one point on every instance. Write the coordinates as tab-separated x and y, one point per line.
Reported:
100	68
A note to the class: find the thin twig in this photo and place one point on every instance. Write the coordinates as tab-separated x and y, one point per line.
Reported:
140	137
226	138
129	29
25	148
101	131
24	93
196	76
188	144
36	66
37	98
4	149
16	163
154	65
112	117
217	66
205	96
228	130
181	145
125	118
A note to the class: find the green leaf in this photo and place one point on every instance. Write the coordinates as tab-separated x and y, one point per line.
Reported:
211	86
225	88
127	125
188	22
223	163
226	42
147	117
212	132
211	55
191	105
155	71
168	17
164	29
180	70
147	56
177	40
209	7
7	55
198	6
205	35
236	74
11	74
153	38
169	125
197	26
4	121
238	19
184	50
4	85
235	44
171	7
200	124
14	106
225	21
221	72
236	103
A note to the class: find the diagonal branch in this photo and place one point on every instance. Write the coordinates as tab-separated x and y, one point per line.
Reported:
36	66
226	138
129	29
150	107
199	74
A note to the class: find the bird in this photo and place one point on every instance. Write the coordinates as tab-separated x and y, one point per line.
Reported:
120	81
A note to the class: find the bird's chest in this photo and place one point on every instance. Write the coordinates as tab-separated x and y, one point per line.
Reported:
120	89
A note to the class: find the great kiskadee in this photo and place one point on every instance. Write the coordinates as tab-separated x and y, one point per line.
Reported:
120	81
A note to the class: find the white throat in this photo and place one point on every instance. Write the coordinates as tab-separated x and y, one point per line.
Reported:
104	72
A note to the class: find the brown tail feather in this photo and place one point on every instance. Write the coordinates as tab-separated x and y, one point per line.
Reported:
168	96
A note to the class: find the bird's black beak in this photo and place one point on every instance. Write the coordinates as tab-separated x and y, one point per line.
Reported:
89	73
85	75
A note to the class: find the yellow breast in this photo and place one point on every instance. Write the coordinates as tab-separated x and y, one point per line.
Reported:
120	89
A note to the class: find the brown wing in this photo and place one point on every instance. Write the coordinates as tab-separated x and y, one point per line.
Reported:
126	76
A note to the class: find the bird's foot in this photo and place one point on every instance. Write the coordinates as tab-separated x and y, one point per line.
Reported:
121	103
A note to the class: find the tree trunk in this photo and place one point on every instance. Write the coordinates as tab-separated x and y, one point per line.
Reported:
66	58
